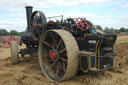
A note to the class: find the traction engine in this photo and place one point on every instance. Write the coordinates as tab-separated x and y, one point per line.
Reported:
65	47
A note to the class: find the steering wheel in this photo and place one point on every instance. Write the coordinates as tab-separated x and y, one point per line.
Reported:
81	24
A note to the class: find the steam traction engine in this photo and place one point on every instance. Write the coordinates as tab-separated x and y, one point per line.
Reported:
65	47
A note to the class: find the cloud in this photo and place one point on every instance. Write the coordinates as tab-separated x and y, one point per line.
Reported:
124	17
16	15
124	6
56	3
16	22
13	25
16	19
12	5
19	23
16	5
105	21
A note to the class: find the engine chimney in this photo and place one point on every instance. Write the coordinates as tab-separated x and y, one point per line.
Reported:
28	14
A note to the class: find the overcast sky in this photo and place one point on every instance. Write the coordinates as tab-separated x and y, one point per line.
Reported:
107	13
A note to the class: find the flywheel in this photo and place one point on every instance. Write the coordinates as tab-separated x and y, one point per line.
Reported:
58	55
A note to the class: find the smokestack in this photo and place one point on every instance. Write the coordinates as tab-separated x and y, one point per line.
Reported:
28	14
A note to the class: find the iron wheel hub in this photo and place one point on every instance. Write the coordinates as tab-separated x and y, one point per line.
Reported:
54	55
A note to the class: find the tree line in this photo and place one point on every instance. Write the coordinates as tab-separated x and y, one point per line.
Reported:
112	30
4	32
106	30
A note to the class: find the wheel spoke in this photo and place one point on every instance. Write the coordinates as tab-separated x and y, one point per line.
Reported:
54	39
62	68
46	43
62	45
53	45
58	44
63	59
57	71
63	50
52	64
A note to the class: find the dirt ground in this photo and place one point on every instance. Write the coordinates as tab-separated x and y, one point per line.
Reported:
28	72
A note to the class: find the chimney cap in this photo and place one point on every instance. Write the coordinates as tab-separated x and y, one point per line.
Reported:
28	7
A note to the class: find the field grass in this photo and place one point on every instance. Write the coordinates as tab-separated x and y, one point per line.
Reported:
122	39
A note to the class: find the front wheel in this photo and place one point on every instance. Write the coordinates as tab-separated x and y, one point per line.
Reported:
14	52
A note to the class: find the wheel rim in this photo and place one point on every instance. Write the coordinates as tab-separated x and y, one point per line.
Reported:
55	55
54	59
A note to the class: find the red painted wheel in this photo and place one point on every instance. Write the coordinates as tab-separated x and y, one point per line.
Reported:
58	55
81	24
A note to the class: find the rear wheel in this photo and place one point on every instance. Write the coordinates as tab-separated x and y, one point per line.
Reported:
58	55
14	52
